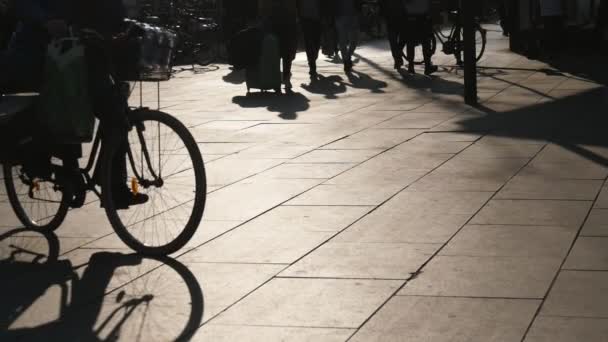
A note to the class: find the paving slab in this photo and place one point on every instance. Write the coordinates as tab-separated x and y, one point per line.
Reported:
375	139
433	319
499	277
566	170
363	260
244	333
416	217
596	224
462	174
247	199
578	294
510	241
311	303
534	212
348	194
602	200
337	156
303	171
588	254
540	187
310	218
566	329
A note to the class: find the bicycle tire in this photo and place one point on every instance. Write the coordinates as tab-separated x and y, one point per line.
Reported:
22	214
480	33
483	33
140	117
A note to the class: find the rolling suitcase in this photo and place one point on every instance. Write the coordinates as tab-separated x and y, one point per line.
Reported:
266	75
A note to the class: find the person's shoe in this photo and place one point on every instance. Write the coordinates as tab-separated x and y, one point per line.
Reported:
411	69
288	85
348	66
124	198
313	70
398	64
430	69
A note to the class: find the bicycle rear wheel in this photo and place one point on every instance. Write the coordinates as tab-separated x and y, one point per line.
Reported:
165	163
38	203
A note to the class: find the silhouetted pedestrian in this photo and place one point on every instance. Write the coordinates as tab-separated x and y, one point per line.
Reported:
347	24
310	12
280	18
394	14
552	14
419	30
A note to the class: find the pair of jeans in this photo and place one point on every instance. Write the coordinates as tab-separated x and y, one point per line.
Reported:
348	36
312	30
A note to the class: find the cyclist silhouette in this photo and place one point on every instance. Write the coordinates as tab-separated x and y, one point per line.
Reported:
21	67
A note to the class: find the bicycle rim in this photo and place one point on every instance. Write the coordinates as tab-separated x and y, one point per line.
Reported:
175	208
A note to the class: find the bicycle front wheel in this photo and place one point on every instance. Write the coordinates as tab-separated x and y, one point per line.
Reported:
165	164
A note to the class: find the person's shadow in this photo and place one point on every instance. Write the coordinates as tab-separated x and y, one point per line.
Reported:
235	77
288	106
330	86
359	80
85	311
433	84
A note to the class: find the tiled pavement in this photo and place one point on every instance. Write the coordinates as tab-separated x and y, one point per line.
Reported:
375	207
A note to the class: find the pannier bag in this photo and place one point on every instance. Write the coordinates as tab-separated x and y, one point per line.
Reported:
64	106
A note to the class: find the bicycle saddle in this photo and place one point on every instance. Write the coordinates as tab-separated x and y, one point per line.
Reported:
11	105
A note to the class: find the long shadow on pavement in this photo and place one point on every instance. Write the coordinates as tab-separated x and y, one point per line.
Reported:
87	307
577	123
288	106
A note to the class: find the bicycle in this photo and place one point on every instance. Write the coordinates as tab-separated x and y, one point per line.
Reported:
176	189
453	42
197	35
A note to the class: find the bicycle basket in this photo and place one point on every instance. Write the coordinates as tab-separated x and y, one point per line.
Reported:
147	55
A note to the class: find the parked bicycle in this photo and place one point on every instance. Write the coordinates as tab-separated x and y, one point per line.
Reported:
452	40
164	162
198	35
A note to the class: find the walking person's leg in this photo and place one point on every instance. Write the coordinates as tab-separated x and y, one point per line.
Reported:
308	32
354	36
342	30
393	41
316	32
427	51
411	56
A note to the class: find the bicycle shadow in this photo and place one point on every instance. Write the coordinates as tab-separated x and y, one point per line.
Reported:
111	296
288	106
